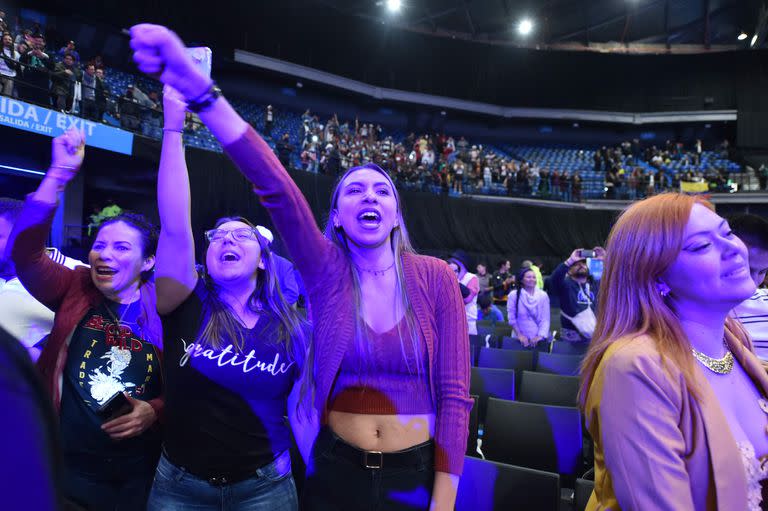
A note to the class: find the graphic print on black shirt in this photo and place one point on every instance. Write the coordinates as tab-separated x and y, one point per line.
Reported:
236	400
111	359
104	359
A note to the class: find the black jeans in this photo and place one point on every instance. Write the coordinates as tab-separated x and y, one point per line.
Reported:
337	479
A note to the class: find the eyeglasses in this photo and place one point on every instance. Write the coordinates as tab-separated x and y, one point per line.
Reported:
242	234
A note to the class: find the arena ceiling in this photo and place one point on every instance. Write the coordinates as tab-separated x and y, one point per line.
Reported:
576	24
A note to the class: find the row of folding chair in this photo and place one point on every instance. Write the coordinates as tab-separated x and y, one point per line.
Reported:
492	486
566	365
526	386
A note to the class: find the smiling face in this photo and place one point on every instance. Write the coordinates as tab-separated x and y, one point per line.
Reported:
117	259
529	280
229	259
712	266
366	208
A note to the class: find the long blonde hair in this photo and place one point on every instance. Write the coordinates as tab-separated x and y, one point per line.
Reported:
400	243
645	241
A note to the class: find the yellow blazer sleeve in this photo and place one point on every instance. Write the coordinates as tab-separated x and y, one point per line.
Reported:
639	411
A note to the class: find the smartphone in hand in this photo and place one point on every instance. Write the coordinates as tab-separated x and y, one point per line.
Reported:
115	406
203	58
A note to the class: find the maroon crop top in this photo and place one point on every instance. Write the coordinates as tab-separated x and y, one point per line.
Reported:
389	383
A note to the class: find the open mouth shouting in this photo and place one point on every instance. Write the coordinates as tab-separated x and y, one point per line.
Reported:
104	273
369	218
229	256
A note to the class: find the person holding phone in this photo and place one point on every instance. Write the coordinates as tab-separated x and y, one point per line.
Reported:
388	365
105	342
234	349
578	295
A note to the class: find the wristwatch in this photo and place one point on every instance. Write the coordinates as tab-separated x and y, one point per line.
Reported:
205	100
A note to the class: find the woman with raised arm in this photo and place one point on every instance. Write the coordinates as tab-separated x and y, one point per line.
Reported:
672	394
105	343
234	352
389	362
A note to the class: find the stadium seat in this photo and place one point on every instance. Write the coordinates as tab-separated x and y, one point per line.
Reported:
548	389
485	383
506	359
584	487
569	348
492	486
536	436
566	365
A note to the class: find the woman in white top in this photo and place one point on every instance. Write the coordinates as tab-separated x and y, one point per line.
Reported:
528	310
9	64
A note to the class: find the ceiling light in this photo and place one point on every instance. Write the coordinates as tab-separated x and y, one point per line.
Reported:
394	5
742	36
754	40
525	27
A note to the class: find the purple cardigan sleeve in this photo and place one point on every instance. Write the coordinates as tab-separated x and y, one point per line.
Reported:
451	375
46	280
289	210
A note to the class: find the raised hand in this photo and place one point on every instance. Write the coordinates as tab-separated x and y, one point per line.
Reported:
575	256
160	53
600	252
68	151
174	109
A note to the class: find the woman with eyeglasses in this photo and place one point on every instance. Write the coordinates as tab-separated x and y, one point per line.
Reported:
234	351
388	368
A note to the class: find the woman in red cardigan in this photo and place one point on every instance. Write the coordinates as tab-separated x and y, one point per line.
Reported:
389	365
105	341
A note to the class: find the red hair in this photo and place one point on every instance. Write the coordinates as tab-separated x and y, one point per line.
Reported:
645	241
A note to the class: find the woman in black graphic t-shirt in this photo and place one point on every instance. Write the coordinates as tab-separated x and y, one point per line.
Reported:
233	352
105	341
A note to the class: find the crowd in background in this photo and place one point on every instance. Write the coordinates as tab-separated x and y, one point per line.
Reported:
435	162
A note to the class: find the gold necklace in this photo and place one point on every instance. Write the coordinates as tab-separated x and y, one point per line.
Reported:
375	272
716	365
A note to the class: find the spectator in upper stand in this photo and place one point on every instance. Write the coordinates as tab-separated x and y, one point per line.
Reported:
269	119
23	37
528	310
332	160
69	49
753	312
459	263
152	115
578	296
576	187
36	56
92	90
284	150
129	110
487	311
428	158
9	65
63	78
102	93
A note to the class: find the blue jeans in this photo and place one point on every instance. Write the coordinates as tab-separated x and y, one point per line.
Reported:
271	489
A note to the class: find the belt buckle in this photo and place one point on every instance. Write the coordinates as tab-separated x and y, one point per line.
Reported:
368	464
